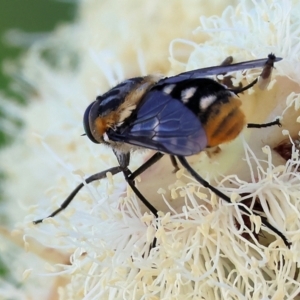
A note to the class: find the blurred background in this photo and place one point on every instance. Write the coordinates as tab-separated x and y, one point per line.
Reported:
21	23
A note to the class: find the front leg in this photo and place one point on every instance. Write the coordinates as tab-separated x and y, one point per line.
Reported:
124	159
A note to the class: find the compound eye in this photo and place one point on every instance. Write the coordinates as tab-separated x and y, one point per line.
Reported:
87	125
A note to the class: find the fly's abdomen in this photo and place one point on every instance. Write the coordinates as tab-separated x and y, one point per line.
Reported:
223	122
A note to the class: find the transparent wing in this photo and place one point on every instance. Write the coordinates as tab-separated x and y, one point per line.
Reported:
210	71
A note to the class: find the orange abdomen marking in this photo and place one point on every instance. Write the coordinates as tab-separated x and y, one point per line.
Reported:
100	126
225	122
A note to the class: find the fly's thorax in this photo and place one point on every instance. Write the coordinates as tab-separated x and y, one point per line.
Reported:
110	110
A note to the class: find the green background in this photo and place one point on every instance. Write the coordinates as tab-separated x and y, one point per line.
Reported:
28	16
